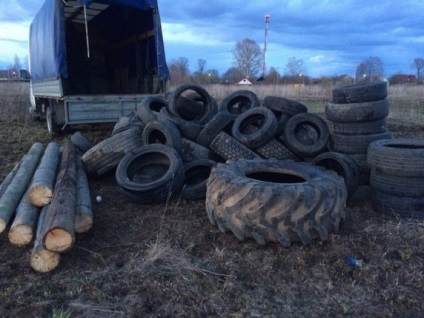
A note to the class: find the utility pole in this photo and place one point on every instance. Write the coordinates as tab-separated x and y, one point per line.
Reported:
267	17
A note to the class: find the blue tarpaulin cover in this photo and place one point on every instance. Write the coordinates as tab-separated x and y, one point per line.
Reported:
47	42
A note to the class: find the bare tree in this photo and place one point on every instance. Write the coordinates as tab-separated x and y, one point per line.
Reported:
369	70
418	65
294	67
231	76
248	57
273	76
201	63
179	71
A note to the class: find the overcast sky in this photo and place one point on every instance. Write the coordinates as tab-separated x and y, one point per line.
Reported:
331	37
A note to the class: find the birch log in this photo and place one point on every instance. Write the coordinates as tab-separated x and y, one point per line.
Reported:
41	190
25	222
9	178
43	260
59	232
13	194
83	209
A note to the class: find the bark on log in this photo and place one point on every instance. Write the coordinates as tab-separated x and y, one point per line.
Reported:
13	194
41	190
9	177
83	209
25	222
43	260
59	232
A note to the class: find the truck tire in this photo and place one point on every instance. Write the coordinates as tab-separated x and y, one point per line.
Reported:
399	157
229	148
343	165
150	174
238	102
194	151
150	108
276	150
262	120
126	122
196	175
355	143
162	131
52	127
106	155
360	93
357	112
306	146
208	105
275	201
360	128
188	129
397	185
397	206
222	121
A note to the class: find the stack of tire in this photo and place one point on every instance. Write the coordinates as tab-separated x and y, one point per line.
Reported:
241	156
397	177
358	116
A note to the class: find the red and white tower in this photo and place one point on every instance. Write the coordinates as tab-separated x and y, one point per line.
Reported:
267	17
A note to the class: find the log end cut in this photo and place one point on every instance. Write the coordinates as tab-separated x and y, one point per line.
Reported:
40	195
44	261
21	234
58	240
83	223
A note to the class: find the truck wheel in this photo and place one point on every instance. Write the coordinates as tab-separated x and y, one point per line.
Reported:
196	175
396	205
238	102
50	120
359	93
275	201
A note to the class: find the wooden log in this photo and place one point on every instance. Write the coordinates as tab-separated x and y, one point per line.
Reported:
41	190
43	260
83	208
9	178
59	232
13	194
25	222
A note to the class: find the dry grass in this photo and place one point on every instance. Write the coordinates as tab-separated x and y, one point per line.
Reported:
169	261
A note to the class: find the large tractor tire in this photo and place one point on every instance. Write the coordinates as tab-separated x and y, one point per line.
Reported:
275	201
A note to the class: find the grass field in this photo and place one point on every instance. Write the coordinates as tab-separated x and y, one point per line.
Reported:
169	261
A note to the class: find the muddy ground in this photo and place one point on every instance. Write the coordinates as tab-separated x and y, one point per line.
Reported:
170	261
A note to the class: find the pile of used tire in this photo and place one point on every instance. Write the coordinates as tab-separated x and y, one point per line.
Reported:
266	171
358	116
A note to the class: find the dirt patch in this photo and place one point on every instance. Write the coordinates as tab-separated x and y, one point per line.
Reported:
169	261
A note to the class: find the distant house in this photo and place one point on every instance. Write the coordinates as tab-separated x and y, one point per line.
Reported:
244	81
403	79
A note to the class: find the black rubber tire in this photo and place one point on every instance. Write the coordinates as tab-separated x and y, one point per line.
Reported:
229	148
150	174
208	105
343	165
264	122
150	108
359	93
276	150
162	131
222	121
52	127
355	143
399	157
360	128
275	200
397	185
189	108
397	206
357	112
298	143
238	102
283	109
194	151
105	156
81	142
188	129
196	175
126	122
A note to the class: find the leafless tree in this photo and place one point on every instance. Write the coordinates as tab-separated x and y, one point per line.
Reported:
201	63
418	66
294	67
248	57
370	69
179	71
231	76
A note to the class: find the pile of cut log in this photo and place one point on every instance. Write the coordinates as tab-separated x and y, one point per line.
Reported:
46	195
